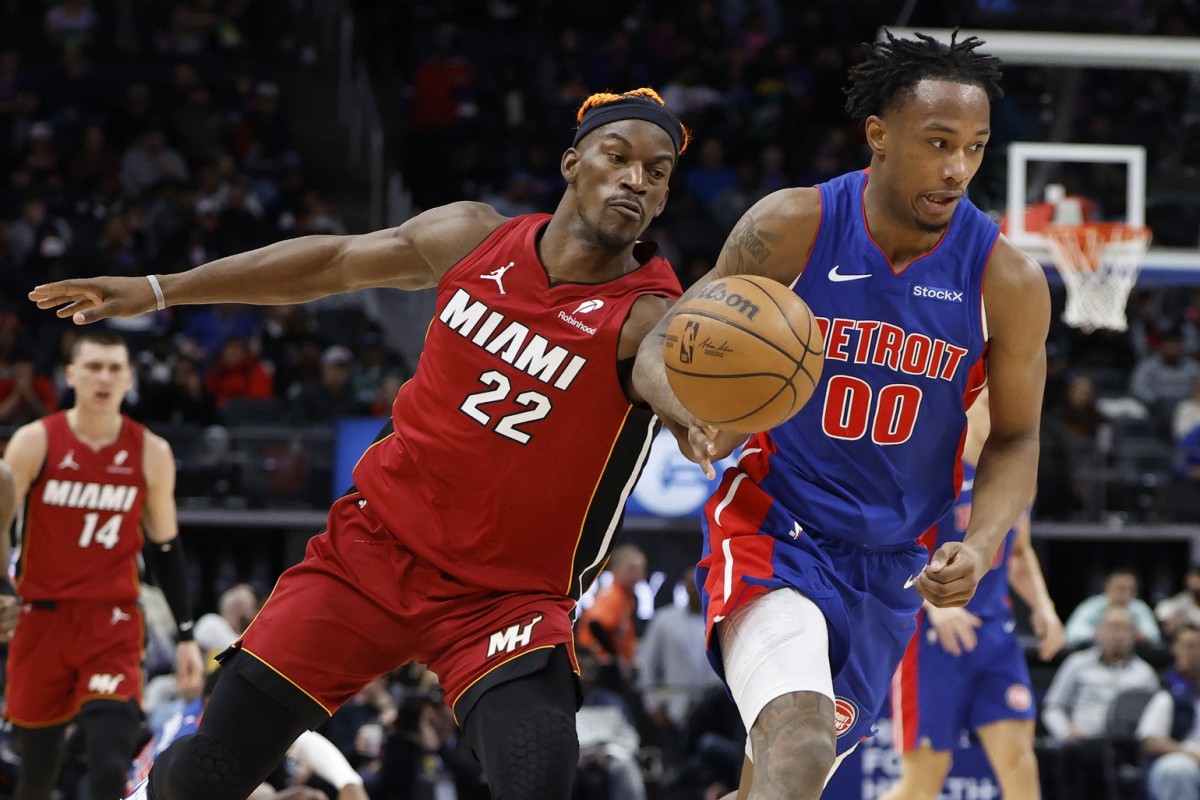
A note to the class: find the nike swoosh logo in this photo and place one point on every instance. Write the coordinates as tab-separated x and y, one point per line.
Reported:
968	484
838	277
909	583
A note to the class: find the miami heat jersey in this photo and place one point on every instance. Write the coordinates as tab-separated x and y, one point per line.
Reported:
991	596
80	530
515	426
873	457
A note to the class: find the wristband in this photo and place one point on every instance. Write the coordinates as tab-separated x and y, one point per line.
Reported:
185	633
158	295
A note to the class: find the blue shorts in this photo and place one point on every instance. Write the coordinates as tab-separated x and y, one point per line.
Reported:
753	545
938	698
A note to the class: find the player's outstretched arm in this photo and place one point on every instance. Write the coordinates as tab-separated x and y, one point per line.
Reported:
1017	302
414	255
772	239
1026	579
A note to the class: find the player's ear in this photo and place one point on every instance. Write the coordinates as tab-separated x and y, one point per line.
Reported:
876	132
570	165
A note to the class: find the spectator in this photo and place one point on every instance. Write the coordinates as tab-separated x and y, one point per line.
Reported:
1187	413
237	373
374	365
711	176
1120	591
1162	379
607	628
24	395
70	22
333	397
608	741
1075	710
149	162
235	611
1170	726
1083	417
1180	610
673	670
208	329
181	400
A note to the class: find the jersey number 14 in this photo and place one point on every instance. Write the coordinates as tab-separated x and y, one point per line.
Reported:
106	535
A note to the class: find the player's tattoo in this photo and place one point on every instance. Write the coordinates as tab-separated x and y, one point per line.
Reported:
747	240
799	717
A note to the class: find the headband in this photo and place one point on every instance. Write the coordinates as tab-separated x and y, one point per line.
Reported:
631	108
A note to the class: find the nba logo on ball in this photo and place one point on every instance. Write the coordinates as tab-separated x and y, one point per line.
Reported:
1018	697
687	343
844	715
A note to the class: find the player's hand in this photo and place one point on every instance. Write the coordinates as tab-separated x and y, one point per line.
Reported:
955	628
702	443
1049	630
10	615
950	578
86	300
189	670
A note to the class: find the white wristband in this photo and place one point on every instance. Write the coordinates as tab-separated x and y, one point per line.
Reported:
158	295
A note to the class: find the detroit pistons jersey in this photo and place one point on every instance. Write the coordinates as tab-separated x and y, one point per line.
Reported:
873	457
991	595
514	447
80	530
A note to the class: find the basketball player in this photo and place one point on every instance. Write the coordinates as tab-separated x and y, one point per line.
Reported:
9	610
90	481
813	535
964	669
478	521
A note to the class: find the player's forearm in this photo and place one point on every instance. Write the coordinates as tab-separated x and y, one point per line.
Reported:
291	271
1026	579
650	381
1004	485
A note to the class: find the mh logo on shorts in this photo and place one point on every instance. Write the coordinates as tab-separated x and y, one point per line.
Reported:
104	683
512	637
844	715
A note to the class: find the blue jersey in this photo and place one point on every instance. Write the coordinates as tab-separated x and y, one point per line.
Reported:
991	598
874	457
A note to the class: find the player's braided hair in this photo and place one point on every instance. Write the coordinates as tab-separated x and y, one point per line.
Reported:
602	98
893	68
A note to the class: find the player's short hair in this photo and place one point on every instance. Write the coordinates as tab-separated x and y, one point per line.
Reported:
644	103
892	69
100	336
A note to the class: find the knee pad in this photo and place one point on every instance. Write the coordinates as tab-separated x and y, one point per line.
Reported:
198	767
537	758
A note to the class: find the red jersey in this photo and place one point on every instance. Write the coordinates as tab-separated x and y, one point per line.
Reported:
514	447
80	530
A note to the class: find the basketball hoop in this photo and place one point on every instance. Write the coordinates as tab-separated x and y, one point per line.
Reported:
1099	264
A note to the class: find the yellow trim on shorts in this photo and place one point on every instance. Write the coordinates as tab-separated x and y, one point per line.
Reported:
492	669
264	662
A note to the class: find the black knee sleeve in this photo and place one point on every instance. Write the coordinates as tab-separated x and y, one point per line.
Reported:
41	751
244	734
110	729
523	732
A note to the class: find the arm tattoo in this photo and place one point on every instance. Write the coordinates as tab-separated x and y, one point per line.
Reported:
747	240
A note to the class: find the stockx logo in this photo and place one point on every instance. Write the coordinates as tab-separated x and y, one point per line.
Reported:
934	293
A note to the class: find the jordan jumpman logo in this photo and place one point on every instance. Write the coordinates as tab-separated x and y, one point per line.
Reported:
498	275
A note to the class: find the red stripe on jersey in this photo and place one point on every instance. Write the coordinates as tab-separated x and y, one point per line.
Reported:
906	711
976	380
735	513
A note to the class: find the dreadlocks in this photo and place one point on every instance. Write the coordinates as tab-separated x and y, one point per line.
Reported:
893	68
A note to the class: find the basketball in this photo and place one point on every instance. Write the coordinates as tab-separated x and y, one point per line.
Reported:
745	354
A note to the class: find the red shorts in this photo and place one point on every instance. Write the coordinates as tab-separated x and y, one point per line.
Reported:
61	657
361	605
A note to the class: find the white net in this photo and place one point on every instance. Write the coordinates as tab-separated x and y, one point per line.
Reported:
1099	264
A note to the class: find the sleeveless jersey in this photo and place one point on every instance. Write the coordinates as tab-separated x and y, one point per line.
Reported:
80	530
873	458
991	598
514	447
